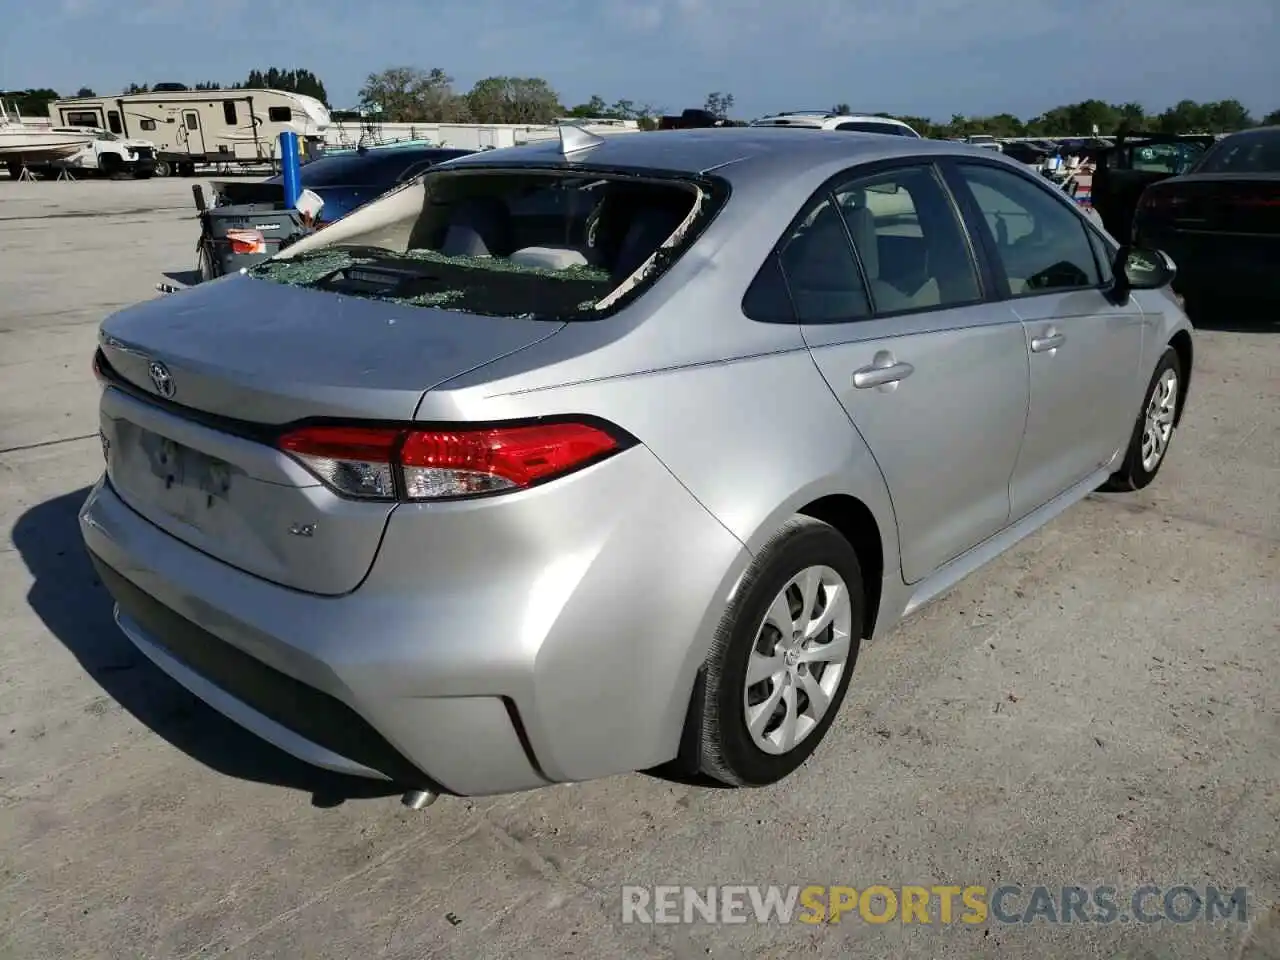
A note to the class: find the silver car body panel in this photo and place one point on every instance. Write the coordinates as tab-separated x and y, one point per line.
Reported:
555	634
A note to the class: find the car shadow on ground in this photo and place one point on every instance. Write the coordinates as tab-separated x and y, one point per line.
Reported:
67	595
1235	315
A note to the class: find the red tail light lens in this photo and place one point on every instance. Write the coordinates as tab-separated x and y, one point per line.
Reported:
247	241
1154	200
393	463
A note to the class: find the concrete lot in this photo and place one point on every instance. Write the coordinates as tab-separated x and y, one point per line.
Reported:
1100	706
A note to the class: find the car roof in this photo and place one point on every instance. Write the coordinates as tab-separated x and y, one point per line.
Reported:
739	154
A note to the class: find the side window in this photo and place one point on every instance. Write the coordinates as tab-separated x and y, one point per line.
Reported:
767	299
192	121
1040	243
147	124
229	112
113	121
910	241
279	114
821	271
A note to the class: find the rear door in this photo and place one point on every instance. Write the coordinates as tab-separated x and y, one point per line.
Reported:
1084	350
933	378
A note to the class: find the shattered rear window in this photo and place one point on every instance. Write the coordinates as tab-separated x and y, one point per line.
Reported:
536	244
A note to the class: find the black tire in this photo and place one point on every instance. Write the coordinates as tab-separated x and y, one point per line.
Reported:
727	751
1133	475
204	262
164	168
15	170
110	165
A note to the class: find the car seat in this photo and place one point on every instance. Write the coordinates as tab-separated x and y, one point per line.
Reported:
479	227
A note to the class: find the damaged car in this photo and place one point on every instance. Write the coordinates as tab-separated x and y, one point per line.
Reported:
595	455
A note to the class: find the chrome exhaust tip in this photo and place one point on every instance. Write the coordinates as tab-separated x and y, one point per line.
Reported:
418	799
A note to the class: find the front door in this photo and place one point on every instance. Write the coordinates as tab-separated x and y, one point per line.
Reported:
194	135
1084	349
932	378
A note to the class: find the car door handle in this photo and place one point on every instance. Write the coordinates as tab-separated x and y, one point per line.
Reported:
1046	343
878	376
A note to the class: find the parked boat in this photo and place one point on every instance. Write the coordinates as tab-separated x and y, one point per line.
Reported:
21	143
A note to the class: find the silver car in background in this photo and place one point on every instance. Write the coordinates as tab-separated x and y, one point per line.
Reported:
583	457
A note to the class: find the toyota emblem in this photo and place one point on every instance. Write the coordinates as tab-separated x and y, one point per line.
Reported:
161	379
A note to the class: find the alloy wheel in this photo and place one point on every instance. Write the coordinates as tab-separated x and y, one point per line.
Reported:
1157	426
800	653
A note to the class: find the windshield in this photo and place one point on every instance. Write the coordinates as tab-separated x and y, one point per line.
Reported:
545	245
1244	153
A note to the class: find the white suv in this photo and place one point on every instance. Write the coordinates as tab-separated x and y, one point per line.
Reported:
825	120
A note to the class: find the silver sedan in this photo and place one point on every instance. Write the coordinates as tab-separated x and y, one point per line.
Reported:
587	456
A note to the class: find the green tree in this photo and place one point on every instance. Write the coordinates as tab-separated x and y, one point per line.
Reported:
1272	119
595	107
414	95
295	80
86	92
1131	117
624	110
1227	116
842	109
513	100
30	103
719	104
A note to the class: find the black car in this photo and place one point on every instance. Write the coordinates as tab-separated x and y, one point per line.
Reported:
1123	170
1024	151
1220	220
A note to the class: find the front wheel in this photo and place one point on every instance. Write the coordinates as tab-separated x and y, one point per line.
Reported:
782	657
163	168
1153	431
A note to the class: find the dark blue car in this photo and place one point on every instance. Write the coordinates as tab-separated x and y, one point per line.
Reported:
248	222
346	181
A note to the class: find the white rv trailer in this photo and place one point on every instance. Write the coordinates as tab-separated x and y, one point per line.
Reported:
201	126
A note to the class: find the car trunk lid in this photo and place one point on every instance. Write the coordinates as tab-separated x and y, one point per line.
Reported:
199	383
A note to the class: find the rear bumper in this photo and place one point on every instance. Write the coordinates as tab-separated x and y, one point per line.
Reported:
514	659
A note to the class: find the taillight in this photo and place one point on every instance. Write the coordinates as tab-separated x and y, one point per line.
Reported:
247	241
1160	200
394	463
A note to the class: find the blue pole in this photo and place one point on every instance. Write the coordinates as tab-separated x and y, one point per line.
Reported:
290	168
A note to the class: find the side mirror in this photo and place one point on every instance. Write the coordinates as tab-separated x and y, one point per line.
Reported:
1141	268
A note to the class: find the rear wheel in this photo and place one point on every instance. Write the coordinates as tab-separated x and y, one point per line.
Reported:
1153	431
781	660
14	168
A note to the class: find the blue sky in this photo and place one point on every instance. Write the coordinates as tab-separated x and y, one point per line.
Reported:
919	57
